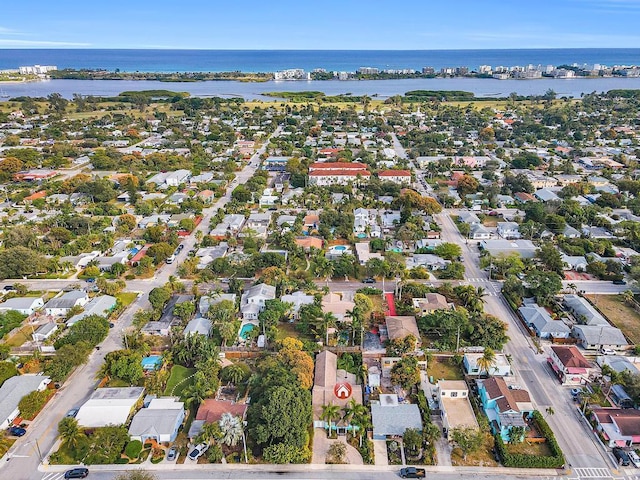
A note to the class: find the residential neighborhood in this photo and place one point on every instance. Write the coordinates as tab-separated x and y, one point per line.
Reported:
192	281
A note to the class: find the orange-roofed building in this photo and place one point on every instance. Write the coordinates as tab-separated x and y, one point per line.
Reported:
400	177
35	196
308	242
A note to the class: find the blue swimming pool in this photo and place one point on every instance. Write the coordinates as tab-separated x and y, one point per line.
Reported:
339	248
245	329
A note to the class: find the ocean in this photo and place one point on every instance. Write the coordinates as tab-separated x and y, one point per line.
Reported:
269	61
336	60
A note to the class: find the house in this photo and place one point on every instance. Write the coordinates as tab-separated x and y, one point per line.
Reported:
539	320
364	254
309	242
400	327
620	427
576	263
431	303
505	407
392	418
275	164
230	225
569	365
390	218
620	397
208	301
479	232
427	260
159	421
335	304
546	195
101	305
253	301
268	198
469	218
24	305
523	197
583	311
332	386
455	408
595	337
44	331
206	255
508	230
170	179
364	219
109	406
524	248
60	305
198	326
211	411
500	368
338	173
12	391
571	232
297	299
400	177
258	224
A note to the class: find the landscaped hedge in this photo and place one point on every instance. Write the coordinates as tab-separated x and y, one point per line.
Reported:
133	449
556	460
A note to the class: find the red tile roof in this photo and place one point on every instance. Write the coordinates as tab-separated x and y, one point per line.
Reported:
570	356
329	173
337	166
395	173
211	410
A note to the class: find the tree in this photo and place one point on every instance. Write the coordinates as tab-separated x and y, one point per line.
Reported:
70	432
281	453
487	361
543	285
406	373
92	330
469	439
336	453
551	258
235	373
17	262
32	403
158	297
467	184
125	365
448	251
231	429
159	252
412	440
329	412
297	361
184	310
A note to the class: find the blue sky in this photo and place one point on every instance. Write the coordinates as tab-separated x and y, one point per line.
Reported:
320	24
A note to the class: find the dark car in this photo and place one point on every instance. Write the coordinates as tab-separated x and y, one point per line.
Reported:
621	456
369	280
76	473
413	472
72	413
8	288
17	431
172	454
619	282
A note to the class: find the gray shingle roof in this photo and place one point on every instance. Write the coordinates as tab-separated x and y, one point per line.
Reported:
394	420
14	388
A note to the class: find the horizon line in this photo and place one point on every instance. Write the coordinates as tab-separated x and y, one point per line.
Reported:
316	49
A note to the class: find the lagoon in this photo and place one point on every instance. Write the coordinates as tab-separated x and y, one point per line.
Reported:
481	87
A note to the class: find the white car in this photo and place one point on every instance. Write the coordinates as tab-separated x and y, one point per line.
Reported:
635	459
197	452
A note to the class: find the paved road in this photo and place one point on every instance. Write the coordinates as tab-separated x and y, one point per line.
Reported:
531	370
42	433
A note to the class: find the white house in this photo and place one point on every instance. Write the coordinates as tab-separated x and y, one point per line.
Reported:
45	331
500	368
109	406
159	421
508	230
253	301
455	408
101	305
60	305
12	391
298	299
24	305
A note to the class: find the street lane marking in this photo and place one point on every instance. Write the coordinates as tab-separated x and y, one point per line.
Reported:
53	476
592	473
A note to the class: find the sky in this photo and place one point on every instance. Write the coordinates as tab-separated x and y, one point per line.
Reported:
320	24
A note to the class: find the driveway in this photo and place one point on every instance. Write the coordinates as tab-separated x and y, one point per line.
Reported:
321	446
380	452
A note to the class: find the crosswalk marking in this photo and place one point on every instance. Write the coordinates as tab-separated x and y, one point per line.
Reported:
592	473
53	476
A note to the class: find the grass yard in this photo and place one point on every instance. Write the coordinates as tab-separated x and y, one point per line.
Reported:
21	336
526	448
126	298
444	368
176	383
619	314
481	457
5	445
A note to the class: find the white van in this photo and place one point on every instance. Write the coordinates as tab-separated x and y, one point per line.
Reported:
171	259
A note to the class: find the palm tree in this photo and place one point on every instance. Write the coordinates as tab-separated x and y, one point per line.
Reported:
487	361
210	431
357	415
628	297
231	429
572	287
70	432
235	373
329	412
324	268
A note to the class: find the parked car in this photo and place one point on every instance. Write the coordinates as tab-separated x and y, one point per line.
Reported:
17	431
621	456
8	288
413	472
172	454
635	459
170	259
198	451
369	280
575	392
72	413
76	473
619	282
607	351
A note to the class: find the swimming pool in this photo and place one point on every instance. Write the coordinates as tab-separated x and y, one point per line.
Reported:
362	235
245	329
339	248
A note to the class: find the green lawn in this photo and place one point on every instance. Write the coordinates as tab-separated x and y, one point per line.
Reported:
444	368
126	298
178	374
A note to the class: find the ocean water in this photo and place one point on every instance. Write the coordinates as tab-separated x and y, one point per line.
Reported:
337	60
